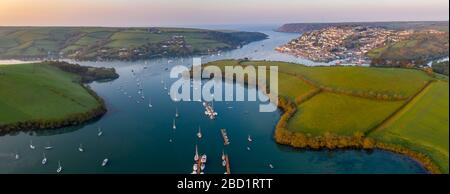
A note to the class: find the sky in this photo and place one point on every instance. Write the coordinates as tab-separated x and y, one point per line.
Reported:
213	12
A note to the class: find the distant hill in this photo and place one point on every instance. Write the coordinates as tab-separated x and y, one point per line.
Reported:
417	25
95	43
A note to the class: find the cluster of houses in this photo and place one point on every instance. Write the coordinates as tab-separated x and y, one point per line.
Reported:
344	43
175	42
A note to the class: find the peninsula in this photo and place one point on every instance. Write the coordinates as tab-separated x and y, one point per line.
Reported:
399	110
109	43
32	95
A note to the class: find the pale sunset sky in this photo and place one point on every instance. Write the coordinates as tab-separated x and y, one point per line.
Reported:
197	12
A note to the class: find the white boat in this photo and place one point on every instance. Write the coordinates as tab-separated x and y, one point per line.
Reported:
223	155
44	160
31	145
105	162
150	103
199	133
174	126
248	148
249	138
16	156
80	148
196	154
270	165
176	113
202	166
170	140
100	132
203	159
59	167
195	167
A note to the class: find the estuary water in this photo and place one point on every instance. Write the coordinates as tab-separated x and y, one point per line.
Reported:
140	139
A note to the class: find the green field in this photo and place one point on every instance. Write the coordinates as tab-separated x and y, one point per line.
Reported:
404	82
423	124
339	114
292	87
418	122
39	91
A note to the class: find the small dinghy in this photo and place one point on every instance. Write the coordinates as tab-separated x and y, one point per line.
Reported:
202	166
59	167
100	132
80	148
44	160
31	145
199	133
174	126
203	159
196	154
105	162
223	155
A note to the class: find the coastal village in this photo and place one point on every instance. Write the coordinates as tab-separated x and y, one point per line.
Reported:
343	44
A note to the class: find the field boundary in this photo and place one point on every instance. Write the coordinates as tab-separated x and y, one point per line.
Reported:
392	117
378	96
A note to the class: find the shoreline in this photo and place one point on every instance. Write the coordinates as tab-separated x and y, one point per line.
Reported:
332	142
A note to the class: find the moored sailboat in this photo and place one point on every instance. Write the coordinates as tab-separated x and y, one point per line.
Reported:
31	145
44	160
80	148
174	126
199	133
196	153
105	162
100	132
59	167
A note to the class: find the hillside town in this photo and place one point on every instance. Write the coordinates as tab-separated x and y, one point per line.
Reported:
344	44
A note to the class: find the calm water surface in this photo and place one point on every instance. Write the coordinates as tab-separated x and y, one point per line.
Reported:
136	138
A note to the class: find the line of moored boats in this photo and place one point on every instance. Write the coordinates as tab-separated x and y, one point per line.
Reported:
48	147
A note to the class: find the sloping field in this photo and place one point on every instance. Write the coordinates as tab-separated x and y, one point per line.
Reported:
363	80
423	124
418	121
37	91
292	87
339	114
